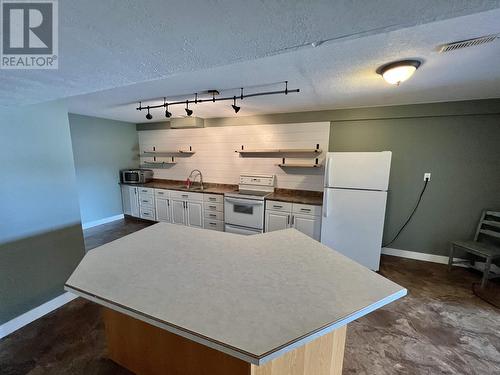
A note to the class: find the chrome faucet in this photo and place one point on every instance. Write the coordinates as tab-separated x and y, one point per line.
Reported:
197	173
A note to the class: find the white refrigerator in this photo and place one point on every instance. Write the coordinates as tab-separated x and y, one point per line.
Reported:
354	203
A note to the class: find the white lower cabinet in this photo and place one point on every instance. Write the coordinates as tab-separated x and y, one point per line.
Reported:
304	218
276	220
130	200
307	224
194	214
177	207
163	212
178	211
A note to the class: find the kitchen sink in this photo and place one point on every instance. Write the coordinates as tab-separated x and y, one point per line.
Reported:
195	189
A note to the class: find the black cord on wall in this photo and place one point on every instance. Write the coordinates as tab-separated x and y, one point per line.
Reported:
409	217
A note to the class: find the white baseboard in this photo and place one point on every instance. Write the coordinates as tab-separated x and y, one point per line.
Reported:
433	258
415	255
106	220
36	313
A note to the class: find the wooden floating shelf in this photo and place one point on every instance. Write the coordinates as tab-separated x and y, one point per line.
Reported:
282	151
158	164
167	153
288	165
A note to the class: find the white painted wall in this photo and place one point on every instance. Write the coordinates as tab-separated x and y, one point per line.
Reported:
216	157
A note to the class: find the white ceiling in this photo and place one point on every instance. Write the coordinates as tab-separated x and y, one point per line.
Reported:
117	52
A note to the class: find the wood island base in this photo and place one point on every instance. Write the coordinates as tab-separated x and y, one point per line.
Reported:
148	350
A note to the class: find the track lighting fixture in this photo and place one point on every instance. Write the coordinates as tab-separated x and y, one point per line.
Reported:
165	104
235	107
149	116
213	99
189	112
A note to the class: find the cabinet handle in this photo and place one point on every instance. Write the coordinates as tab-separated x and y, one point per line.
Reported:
213	215
293	219
306	209
288	219
213	223
168	202
185	195
276	206
214	207
212	199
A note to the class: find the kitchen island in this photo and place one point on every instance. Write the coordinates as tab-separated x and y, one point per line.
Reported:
180	300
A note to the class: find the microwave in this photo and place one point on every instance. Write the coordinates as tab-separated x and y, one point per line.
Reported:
136	176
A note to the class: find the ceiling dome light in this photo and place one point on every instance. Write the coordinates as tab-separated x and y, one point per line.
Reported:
235	107
189	112
399	71
149	116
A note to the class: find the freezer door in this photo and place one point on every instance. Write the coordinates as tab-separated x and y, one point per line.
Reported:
358	170
353	224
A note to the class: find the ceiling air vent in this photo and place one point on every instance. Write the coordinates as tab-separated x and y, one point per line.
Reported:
467	43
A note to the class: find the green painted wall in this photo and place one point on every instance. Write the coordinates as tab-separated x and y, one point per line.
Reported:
461	152
101	148
41	239
458	142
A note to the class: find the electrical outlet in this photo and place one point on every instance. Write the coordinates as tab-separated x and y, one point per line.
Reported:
427	176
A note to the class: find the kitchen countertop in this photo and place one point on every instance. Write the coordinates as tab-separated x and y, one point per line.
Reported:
254	299
210	188
297	196
282	195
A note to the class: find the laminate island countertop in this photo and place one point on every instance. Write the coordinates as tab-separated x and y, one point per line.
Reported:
254	298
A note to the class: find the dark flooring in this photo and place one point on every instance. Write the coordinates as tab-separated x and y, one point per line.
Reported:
441	327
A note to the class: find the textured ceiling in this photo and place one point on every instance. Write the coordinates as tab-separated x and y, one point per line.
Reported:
337	74
115	43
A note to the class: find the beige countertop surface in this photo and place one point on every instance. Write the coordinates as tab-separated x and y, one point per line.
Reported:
253	297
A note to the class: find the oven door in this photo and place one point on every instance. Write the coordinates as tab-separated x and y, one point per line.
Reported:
244	212
240	230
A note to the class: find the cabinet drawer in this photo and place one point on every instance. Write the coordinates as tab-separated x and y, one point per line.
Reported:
144	190
187	196
162	193
213	198
278	206
214	215
306	209
214	225
213	206
147	213
146	200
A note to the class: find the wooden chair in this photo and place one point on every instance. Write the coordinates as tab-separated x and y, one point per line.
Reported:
486	244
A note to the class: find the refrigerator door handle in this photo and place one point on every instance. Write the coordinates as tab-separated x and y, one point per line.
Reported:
327	171
325	203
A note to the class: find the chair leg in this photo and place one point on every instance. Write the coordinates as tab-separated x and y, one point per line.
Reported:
450	260
486	273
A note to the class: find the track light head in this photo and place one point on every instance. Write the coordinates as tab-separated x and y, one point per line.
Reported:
235	107
189	112
148	115
167	113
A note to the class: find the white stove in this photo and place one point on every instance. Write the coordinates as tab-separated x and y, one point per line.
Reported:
244	209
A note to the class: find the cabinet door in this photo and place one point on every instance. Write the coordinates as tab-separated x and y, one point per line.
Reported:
130	200
307	224
195	214
163	210
277	220
178	211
